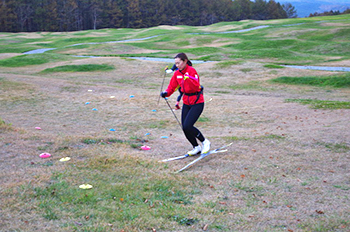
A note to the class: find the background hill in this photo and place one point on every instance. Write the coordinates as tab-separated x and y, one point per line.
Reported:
306	7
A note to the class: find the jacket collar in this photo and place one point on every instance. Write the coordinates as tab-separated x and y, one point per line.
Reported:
184	70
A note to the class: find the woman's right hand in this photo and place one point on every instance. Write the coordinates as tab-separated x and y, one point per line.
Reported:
164	94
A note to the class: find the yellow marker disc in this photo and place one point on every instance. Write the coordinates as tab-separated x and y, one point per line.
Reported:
85	186
65	159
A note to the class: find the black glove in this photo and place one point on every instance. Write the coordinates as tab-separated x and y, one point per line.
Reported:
163	94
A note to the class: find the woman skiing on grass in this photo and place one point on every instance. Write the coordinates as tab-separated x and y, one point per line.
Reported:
186	78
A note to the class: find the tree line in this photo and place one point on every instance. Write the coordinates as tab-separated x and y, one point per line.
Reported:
327	13
74	15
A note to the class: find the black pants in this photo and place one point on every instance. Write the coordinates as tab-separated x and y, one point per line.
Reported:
189	116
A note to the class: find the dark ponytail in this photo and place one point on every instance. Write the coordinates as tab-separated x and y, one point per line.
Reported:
183	56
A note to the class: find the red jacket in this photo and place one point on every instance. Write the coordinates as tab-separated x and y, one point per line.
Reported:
188	80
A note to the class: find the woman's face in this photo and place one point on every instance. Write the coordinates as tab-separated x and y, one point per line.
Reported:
180	64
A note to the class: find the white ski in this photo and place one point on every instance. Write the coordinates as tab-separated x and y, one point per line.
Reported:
176	158
218	150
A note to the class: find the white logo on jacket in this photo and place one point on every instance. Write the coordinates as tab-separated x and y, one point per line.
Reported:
186	74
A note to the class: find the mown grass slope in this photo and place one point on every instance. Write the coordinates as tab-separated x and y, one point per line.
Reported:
287	169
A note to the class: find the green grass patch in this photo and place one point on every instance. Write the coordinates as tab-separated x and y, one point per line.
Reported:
252	85
340	81
213	57
34	59
134	142
273	66
203	119
82	40
271	136
7	85
337	147
155	54
263	44
284	54
101	141
200	51
227	64
157	124
321	104
80	68
345	188
6	48
246	70
5	126
126	193
235	138
183	220
223	92
124	81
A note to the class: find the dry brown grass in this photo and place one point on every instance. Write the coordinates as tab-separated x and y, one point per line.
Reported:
285	170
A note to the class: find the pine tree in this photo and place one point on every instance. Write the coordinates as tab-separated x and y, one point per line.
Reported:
67	15
24	12
52	21
114	15
8	16
273	10
290	10
242	9
133	15
259	10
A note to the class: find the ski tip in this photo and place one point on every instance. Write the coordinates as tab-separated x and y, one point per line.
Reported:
166	160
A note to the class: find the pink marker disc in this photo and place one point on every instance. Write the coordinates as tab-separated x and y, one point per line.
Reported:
45	155
145	148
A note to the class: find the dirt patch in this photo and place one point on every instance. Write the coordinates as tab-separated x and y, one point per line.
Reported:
167	27
41	42
289	33
30	35
218	43
220	29
342	63
8	55
335	24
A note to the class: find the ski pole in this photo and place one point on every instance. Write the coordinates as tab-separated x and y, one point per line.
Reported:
173	112
161	88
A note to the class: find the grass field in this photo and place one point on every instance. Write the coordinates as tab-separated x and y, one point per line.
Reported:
288	167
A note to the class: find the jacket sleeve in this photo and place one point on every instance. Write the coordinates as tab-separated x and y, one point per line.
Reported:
192	82
173	85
